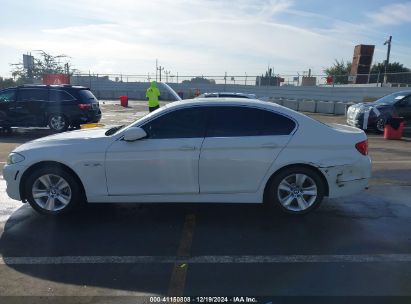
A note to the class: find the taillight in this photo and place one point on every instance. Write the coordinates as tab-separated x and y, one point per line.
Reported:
84	106
362	147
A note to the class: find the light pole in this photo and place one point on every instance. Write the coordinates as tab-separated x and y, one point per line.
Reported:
387	42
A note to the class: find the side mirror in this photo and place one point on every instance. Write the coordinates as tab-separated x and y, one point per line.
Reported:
133	134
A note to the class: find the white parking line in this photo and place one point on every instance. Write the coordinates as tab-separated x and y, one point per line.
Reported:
245	259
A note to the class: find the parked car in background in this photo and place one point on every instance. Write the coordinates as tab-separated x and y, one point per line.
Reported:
226	95
55	106
201	150
374	115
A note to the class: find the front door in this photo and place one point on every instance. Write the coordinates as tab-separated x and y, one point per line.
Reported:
240	146
166	162
7	103
29	110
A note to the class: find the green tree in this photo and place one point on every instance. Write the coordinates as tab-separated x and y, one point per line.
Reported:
340	71
199	80
396	73
44	64
6	82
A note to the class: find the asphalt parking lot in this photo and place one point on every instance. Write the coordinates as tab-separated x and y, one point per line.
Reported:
352	246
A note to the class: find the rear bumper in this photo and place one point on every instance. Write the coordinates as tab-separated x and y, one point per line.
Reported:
86	118
348	179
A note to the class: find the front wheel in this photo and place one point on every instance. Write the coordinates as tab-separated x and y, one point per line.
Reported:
52	191
296	190
380	124
58	123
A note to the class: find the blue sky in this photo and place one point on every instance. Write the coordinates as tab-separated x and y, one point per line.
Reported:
203	37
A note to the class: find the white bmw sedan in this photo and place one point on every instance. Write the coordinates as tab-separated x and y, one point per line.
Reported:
209	150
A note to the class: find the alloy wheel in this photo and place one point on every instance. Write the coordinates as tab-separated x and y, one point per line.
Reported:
57	122
380	124
51	192
297	192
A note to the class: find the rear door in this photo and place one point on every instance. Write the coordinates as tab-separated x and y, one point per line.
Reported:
61	101
240	146
30	106
7	103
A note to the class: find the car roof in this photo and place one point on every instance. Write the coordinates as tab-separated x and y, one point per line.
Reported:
403	92
226	93
227	101
42	86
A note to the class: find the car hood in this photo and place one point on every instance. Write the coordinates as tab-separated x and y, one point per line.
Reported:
362	107
66	138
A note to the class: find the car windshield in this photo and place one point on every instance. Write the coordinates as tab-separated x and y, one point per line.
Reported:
114	130
391	98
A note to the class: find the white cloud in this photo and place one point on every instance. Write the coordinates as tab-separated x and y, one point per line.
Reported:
189	37
392	14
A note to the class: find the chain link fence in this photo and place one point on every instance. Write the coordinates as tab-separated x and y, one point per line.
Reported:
380	79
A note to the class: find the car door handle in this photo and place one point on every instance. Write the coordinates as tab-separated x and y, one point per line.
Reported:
269	146
187	148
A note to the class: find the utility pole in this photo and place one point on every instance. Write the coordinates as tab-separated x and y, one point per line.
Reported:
156	68
160	69
387	42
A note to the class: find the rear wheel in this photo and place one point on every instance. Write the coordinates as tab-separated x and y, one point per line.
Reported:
58	123
52	191
296	190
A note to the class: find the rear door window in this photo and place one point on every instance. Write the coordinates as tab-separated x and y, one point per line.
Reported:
32	95
243	121
60	95
233	122
276	124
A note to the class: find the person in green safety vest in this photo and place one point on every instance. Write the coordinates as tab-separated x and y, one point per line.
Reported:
152	94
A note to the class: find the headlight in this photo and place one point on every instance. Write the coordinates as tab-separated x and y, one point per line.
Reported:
14	158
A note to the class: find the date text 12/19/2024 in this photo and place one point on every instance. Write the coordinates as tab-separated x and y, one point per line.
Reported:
239	299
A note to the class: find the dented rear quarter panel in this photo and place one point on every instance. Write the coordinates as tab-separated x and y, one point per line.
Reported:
332	150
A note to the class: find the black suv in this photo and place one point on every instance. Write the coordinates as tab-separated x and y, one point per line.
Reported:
56	106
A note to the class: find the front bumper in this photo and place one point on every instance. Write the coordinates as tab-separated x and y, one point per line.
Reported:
12	175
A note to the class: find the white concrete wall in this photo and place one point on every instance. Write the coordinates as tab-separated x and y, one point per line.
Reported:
136	90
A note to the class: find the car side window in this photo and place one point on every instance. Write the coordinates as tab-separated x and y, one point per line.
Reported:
32	95
244	121
59	95
7	96
234	121
183	123
276	124
407	101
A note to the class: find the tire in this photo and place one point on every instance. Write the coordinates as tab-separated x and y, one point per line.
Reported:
58	192
380	124
285	190
58	123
